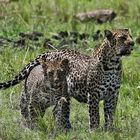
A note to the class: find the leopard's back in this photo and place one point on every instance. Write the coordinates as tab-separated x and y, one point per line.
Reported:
78	62
34	79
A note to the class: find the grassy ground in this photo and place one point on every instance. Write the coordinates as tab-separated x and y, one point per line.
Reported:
49	17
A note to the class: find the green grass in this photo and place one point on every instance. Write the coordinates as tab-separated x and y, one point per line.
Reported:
49	17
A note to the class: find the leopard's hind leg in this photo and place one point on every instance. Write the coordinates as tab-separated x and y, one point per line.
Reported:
40	101
24	107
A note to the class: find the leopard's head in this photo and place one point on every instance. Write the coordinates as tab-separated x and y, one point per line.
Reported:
55	72
120	40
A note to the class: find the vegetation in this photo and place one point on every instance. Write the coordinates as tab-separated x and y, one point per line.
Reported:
50	17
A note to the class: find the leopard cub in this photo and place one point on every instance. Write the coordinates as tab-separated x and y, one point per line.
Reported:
44	89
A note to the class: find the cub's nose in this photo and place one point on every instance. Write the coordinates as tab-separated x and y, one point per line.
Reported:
56	80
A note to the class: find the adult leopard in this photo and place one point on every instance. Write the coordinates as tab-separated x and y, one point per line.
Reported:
92	78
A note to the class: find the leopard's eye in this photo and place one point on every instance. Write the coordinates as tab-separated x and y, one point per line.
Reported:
122	37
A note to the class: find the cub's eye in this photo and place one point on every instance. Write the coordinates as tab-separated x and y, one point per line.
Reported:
50	73
59	73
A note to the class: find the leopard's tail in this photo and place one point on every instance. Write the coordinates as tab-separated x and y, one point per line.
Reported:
23	74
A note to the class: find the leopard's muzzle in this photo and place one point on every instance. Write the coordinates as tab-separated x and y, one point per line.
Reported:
127	49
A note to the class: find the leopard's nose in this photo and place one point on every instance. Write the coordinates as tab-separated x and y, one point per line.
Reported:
132	43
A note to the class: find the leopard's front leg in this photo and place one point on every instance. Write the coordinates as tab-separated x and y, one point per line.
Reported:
109	110
62	114
93	102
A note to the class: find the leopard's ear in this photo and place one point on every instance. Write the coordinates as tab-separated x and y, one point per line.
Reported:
126	29
108	34
64	63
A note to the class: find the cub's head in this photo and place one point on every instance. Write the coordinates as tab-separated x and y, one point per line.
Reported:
120	40
55	72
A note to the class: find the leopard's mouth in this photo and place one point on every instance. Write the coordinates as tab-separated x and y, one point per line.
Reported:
126	50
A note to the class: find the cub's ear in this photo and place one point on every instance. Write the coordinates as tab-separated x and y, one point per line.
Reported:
64	63
108	34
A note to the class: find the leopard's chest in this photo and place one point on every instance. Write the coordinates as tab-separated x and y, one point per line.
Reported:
109	84
77	85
